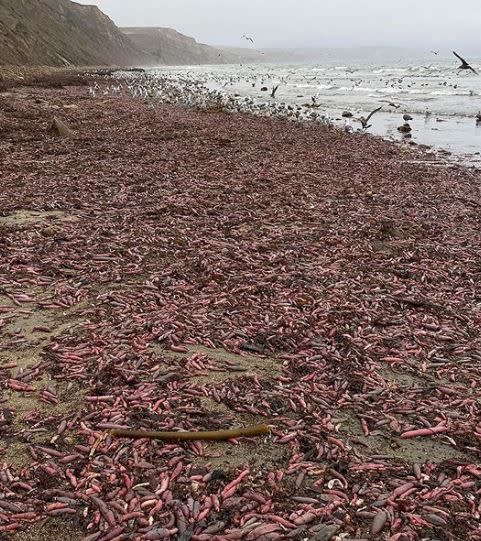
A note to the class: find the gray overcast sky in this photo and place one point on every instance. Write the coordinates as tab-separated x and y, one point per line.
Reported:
439	24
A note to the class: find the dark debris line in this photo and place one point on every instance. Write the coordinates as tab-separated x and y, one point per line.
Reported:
352	262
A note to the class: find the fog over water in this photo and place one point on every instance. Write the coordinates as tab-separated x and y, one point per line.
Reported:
426	24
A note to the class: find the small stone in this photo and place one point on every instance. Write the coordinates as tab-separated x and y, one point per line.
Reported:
59	128
48	231
323	533
405	128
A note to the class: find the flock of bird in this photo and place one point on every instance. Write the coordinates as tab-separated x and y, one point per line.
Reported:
95	89
406	128
191	90
193	93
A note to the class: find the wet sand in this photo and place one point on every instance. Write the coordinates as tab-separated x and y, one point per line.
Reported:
457	139
324	283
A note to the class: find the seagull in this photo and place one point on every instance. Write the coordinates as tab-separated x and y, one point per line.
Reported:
365	121
464	65
435	52
247	38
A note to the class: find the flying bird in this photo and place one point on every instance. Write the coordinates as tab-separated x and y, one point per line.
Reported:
464	65
247	38
365	121
435	52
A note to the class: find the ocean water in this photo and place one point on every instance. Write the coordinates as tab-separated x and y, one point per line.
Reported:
443	101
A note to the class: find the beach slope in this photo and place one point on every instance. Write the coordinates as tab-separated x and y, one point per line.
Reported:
173	269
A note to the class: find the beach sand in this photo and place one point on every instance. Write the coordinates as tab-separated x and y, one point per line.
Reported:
324	283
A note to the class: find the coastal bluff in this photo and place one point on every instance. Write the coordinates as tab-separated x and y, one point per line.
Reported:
62	33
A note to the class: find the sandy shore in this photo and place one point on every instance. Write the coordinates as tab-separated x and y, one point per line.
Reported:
175	269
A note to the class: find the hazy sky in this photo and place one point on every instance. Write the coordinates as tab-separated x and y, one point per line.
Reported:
430	24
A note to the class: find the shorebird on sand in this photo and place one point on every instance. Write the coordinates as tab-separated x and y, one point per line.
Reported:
347	127
407	117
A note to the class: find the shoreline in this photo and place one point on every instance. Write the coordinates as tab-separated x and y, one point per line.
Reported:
165	91
445	133
168	268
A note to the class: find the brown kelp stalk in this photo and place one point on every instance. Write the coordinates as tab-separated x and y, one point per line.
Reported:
217	435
